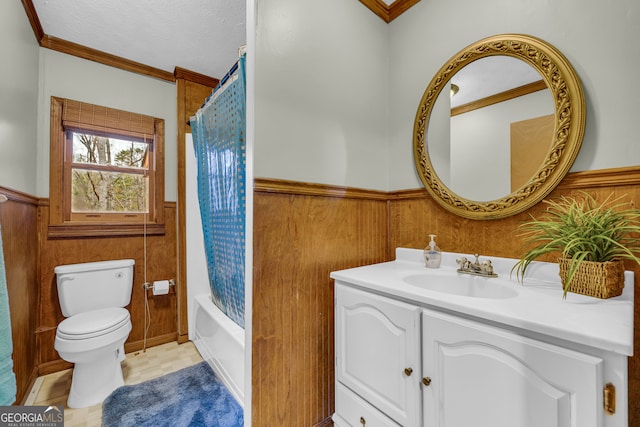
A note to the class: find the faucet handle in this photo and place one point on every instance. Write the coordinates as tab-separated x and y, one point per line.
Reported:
487	266
477	262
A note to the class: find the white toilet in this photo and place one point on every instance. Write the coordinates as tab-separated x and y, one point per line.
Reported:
92	298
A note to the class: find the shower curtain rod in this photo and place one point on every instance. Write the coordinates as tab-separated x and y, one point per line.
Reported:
226	77
220	84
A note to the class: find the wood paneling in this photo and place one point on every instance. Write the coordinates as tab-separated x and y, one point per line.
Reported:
191	95
18	218
298	240
159	265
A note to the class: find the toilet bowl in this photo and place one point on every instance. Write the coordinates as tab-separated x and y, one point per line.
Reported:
93	341
92	336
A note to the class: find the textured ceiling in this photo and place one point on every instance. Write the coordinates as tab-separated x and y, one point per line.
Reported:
197	35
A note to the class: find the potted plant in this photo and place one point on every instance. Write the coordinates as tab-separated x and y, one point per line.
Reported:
592	240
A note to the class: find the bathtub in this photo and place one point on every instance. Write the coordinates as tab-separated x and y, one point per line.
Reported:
220	341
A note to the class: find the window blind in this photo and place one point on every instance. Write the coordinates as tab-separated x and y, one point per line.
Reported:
80	115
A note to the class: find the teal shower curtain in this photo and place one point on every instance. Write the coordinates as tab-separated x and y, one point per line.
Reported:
7	377
219	143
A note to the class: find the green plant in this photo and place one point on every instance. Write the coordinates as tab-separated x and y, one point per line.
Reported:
582	230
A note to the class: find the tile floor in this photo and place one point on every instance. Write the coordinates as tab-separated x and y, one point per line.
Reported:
139	366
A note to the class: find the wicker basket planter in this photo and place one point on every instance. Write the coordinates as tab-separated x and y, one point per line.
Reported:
596	279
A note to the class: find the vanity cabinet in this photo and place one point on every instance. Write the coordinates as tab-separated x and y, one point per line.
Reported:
405	363
485	376
377	360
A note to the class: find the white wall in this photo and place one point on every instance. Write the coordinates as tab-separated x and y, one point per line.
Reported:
321	108
67	76
336	87
18	99
480	144
597	37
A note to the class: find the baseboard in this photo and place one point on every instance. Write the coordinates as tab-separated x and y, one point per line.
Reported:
61	365
53	366
130	347
23	398
183	338
324	423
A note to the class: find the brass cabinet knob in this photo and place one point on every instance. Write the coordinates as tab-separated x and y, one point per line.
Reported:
408	371
426	381
363	421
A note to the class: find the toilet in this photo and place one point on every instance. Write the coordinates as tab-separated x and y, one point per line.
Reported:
92	297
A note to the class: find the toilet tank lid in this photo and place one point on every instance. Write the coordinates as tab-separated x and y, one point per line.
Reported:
89	266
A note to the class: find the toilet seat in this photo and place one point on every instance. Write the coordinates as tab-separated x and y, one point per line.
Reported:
91	324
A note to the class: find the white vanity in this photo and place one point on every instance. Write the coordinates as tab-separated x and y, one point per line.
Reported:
433	347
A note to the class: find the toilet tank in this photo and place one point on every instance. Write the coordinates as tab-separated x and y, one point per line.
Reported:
94	285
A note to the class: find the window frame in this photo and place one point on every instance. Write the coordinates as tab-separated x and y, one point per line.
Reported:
64	223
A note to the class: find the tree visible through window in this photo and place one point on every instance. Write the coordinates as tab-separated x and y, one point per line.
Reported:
107	171
108	174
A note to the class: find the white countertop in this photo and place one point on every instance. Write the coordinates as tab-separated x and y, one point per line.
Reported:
538	307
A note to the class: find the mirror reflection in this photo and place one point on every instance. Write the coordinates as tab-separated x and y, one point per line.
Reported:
490	132
481	157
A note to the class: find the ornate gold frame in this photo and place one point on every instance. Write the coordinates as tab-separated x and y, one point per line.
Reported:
570	115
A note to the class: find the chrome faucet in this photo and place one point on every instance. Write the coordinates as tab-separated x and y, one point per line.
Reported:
476	268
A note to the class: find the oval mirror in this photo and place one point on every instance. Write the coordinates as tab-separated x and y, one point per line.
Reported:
499	126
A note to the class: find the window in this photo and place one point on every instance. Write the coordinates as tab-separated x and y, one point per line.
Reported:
107	171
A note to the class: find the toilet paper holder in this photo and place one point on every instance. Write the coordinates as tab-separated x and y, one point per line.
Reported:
148	285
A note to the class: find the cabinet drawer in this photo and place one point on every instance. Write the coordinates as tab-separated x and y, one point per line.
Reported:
353	411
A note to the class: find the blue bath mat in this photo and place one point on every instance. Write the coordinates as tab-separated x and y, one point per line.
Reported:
192	396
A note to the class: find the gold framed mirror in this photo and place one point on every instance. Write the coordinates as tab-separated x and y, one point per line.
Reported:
558	149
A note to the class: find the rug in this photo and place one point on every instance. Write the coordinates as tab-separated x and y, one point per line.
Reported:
192	396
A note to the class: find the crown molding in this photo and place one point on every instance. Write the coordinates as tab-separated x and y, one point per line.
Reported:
388	12
95	55
30	9
192	76
80	51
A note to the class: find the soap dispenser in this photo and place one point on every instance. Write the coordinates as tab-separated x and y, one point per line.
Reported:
432	254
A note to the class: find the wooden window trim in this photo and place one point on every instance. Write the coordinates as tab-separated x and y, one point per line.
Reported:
63	225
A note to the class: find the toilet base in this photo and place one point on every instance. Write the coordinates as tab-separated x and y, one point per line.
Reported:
93	381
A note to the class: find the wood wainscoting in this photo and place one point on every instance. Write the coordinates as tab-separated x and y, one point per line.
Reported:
303	231
160	265
18	220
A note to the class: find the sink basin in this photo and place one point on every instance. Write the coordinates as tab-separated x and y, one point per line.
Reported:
468	286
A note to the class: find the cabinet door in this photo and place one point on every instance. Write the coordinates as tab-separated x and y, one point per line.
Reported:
377	352
486	376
